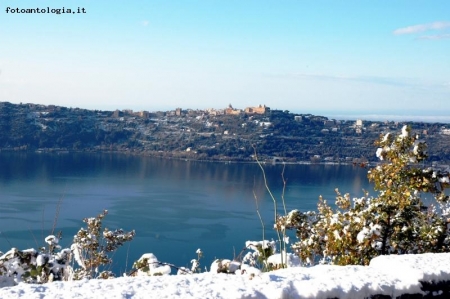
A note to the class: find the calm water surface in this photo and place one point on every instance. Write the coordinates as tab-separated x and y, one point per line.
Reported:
174	206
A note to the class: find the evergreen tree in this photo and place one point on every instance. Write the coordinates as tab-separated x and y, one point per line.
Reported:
396	221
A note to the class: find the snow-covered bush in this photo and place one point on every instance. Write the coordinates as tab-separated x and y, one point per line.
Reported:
260	256
37	267
264	256
148	265
90	249
396	221
225	266
196	262
251	263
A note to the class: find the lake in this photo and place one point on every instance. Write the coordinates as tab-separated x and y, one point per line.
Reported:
174	206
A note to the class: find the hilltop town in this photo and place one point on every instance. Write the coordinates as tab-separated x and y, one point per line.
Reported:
228	134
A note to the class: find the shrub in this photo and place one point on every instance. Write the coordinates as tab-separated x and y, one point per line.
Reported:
32	266
396	221
90	249
148	265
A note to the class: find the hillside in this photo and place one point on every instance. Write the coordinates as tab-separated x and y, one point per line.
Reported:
219	135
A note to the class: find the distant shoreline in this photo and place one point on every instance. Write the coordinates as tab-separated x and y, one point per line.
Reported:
223	161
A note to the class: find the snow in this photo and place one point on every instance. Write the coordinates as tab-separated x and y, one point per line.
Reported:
154	267
387	275
405	132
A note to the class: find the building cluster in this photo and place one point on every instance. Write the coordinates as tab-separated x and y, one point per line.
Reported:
230	110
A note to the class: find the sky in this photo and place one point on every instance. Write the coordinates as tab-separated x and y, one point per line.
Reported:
386	275
324	57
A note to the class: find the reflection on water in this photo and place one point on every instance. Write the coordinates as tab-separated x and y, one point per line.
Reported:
174	206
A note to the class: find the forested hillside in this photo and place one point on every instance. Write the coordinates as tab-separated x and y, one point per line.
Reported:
204	134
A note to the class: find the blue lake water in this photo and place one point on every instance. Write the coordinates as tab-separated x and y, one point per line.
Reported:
174	206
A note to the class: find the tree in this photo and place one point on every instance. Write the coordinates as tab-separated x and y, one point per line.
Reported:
396	221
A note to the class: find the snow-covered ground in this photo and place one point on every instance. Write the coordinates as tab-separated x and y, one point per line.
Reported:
388	275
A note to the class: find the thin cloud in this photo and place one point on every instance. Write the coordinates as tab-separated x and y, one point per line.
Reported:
422	28
434	37
144	23
366	79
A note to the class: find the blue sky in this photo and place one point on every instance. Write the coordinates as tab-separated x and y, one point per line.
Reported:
328	57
